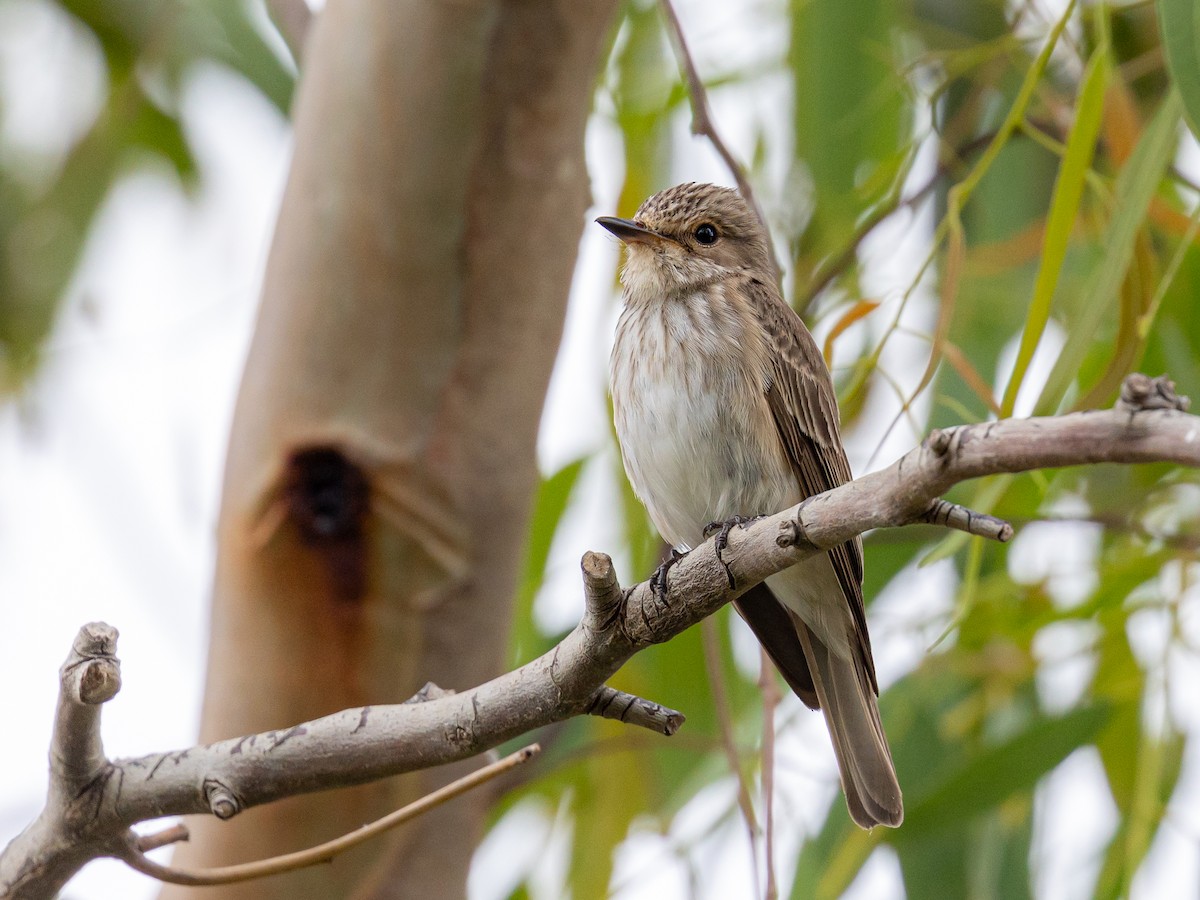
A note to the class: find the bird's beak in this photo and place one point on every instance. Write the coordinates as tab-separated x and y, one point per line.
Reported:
630	232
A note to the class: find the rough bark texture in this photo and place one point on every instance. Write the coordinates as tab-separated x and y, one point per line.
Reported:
382	460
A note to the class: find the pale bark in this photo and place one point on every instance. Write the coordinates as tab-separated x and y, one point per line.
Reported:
292	18
382	460
93	801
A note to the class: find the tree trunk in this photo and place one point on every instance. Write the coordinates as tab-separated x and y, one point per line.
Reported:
382	461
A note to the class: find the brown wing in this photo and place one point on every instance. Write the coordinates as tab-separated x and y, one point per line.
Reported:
800	395
771	624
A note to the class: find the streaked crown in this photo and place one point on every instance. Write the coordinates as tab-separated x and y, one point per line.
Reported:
680	212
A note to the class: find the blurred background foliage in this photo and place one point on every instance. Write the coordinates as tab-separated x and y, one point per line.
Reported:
1046	147
50	195
1041	154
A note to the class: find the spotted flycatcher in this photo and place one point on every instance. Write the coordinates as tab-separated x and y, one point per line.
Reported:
724	408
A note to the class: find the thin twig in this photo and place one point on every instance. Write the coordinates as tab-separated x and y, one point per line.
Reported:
838	264
770	700
173	834
610	703
702	123
290	862
952	515
712	667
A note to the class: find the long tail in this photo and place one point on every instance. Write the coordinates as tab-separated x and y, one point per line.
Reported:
868	776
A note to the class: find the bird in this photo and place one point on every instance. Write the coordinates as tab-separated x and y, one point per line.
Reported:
724	409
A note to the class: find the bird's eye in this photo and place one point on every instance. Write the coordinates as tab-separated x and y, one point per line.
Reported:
705	234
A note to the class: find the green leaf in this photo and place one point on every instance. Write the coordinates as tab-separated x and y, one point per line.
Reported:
551	501
149	47
912	710
960	193
1142	768
1001	770
645	86
1120	682
602	814
1179	21
674	675
235	40
845	850
851	112
162	134
989	858
1064	208
1136	184
888	551
1001	190
1159	762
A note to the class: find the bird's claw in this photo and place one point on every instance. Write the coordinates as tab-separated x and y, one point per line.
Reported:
721	541
658	581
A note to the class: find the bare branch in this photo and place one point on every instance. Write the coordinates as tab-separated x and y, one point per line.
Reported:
90	676
92	802
632	710
951	515
38	861
170	835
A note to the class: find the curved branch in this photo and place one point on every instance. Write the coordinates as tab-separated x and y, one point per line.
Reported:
360	745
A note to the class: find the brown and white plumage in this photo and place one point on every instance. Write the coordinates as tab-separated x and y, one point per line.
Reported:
724	407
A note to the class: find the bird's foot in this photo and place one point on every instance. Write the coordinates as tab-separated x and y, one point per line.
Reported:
721	530
658	581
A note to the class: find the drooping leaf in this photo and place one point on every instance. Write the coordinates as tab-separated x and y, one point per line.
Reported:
1179	21
602	817
149	48
850	113
858	311
1064	207
644	90
998	772
551	501
1135	186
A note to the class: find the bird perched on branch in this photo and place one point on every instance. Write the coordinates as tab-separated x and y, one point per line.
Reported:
724	409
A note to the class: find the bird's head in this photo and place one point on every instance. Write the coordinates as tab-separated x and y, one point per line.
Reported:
688	236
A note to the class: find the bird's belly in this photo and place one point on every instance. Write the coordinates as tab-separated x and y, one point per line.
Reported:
696	456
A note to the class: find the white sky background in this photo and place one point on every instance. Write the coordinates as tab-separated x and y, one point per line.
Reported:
110	465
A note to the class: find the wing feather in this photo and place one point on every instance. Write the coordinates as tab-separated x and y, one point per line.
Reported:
772	625
800	395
